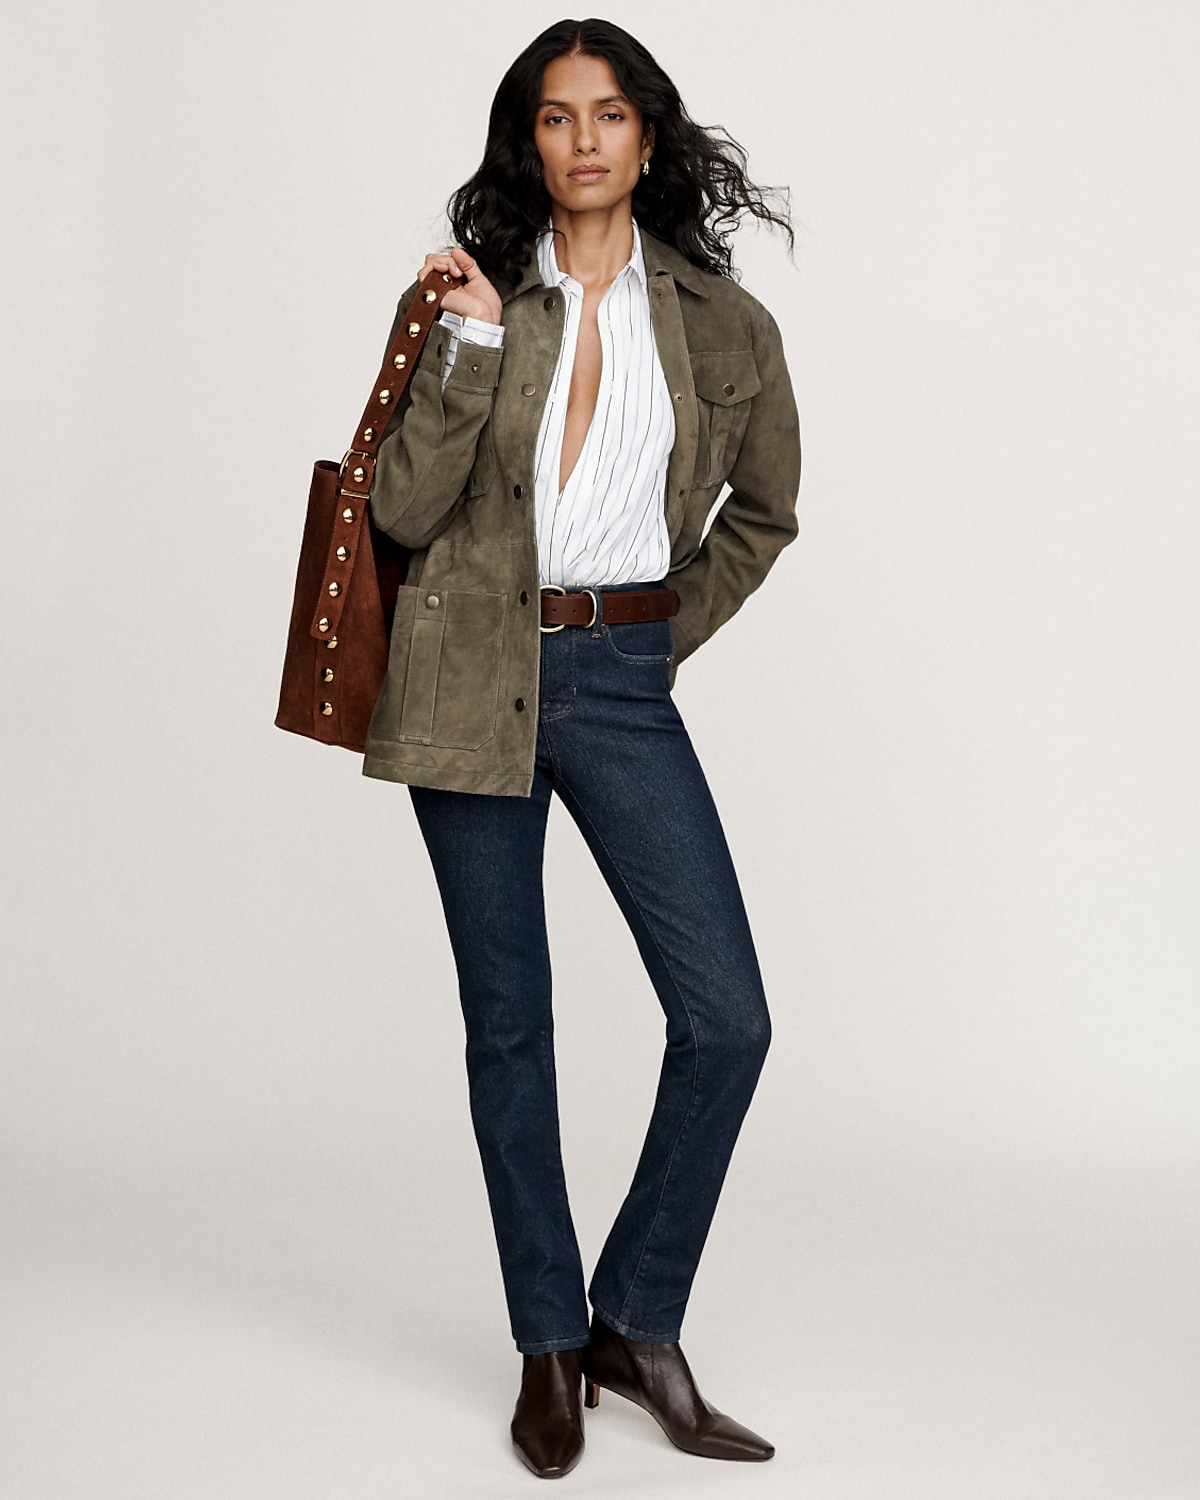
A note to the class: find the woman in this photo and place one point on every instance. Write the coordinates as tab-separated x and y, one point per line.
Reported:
571	422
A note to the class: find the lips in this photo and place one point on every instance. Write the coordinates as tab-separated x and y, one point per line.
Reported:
588	174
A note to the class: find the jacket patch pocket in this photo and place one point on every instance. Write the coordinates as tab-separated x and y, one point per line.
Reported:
444	669
725	382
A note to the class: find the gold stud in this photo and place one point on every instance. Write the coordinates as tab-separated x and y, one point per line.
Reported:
368	434
335	589
359	475
326	709
401	361
413	330
342	554
323	624
430	295
445	277
347	515
331	643
327	674
384	397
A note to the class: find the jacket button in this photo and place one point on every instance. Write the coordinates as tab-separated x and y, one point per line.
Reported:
524	597
517	491
433	601
727	390
679	395
519	705
549	304
528	389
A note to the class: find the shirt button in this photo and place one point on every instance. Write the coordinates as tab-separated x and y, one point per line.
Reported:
517	491
528	389
519	705
432	601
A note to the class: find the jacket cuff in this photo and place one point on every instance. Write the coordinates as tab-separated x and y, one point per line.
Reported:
476	368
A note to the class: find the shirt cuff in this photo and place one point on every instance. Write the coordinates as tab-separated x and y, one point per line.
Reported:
474	330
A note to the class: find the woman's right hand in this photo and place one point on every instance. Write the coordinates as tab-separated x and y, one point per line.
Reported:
478	299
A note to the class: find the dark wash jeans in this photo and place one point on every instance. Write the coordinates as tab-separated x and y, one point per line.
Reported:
611	743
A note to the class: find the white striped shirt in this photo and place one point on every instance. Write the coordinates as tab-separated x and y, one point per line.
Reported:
607	525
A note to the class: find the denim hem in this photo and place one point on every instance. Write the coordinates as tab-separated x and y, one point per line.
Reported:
637	1335
550	1346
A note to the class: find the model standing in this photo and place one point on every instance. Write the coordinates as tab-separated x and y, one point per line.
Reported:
596	383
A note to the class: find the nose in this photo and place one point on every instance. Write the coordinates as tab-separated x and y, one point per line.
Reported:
585	139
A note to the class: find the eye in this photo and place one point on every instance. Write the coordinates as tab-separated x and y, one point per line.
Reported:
613	114
550	119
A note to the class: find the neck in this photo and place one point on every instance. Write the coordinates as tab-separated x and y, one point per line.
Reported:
592	247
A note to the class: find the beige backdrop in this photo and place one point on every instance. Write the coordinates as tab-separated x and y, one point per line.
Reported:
248	1251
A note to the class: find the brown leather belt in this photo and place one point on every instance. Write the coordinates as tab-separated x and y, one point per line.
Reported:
620	606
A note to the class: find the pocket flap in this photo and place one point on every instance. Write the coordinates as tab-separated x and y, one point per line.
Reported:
725	377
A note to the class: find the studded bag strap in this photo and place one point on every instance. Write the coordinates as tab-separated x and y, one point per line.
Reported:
356	473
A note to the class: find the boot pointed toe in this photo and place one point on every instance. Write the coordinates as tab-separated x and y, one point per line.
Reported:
657	1378
547	1424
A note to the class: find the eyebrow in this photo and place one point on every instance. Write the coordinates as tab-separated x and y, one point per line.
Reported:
563	103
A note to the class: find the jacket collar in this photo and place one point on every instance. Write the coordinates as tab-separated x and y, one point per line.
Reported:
660	259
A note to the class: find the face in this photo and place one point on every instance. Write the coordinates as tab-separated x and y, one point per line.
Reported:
589	136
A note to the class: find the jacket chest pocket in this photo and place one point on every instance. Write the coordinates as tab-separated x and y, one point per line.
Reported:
725	381
443	668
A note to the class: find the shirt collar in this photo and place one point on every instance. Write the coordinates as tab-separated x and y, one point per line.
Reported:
552	276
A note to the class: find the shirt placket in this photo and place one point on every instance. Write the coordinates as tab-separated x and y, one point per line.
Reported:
573	293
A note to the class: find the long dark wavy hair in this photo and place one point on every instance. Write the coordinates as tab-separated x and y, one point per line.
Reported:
694	197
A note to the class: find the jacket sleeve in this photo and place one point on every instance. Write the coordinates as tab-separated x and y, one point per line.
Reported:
758	517
467	331
429	447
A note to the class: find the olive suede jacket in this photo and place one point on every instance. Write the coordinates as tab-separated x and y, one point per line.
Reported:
454	481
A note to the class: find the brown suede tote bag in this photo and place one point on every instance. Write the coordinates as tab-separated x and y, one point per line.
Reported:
349	570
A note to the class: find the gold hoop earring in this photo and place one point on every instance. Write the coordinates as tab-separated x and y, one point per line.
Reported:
645	169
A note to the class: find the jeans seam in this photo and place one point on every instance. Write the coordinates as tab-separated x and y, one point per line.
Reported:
695	1041
550	1346
647	1336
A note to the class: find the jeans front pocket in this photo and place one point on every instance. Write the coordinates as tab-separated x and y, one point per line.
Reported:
640	642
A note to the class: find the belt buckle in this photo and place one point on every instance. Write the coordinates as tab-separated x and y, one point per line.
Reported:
550	629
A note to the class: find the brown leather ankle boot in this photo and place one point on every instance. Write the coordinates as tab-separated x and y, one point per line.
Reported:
656	1377
547	1425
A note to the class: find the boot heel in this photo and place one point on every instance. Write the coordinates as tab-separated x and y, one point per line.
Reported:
591	1394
